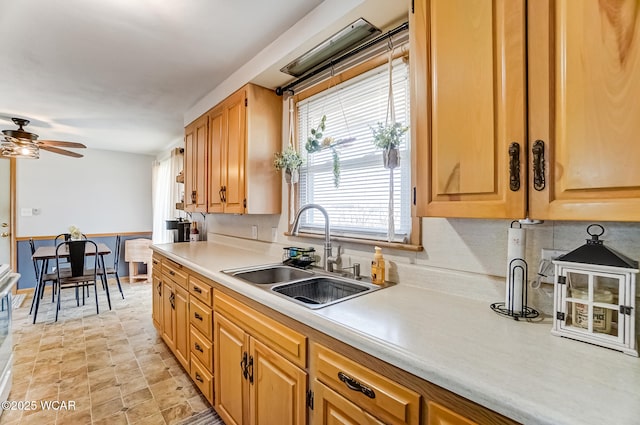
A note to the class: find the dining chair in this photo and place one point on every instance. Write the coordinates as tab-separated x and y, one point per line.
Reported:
83	269
46	277
113	271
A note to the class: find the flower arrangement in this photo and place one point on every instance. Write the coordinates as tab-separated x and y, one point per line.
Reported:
316	142
388	137
75	232
288	160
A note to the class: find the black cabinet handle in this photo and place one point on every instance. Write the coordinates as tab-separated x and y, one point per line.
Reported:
243	365
160	288
193	197
197	316
198	290
172	273
514	167
538	165
355	385
250	366
198	348
199	378
172	301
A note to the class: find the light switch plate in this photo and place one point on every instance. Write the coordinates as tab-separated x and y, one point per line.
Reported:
26	212
254	232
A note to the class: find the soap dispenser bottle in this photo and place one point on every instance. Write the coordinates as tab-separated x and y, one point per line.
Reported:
377	267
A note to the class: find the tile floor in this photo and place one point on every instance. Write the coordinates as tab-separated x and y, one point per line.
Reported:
113	366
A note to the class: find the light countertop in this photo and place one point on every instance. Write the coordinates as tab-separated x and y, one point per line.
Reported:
515	368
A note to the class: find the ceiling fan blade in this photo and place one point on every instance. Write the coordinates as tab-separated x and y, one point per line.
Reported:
61	144
60	151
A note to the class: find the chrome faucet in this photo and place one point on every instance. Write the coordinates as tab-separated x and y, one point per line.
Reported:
328	258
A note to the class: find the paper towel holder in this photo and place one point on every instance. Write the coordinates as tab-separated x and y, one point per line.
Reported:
517	265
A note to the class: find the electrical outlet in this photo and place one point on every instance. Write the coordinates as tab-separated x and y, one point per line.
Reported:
547	268
254	232
274	234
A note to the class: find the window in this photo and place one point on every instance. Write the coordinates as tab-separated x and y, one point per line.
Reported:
359	206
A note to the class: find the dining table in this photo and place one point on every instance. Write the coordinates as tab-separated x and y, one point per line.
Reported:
48	252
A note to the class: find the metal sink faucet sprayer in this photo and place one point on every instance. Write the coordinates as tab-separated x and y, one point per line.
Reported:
328	259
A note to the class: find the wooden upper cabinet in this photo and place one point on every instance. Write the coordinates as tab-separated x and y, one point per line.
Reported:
217	172
580	110
195	165
584	85
245	130
236	111
468	107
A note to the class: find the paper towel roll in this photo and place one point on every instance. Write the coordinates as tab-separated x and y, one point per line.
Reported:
516	242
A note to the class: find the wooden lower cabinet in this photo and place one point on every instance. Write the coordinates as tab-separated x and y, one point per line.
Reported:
254	383
168	316
181	313
331	408
156	291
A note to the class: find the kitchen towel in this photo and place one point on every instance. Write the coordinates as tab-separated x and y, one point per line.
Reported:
516	242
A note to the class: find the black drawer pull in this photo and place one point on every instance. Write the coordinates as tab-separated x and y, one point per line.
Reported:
356	386
198	290
199	378
198	348
197	316
172	273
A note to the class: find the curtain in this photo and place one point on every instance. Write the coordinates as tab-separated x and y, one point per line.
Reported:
166	192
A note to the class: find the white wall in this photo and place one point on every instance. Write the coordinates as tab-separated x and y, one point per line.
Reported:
103	192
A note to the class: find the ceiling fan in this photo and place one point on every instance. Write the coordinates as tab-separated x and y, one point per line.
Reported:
23	144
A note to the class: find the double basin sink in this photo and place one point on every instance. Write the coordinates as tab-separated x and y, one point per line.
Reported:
311	288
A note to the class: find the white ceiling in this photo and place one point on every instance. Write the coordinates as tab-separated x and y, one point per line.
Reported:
120	74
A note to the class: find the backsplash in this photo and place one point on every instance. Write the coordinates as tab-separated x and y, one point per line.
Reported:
468	254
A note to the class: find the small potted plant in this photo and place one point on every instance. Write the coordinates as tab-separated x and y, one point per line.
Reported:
388	137
290	161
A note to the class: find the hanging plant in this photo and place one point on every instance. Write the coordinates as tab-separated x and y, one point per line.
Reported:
388	138
316	142
290	161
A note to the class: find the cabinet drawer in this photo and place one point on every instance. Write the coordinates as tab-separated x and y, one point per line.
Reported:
202	379
201	348
157	265
201	290
382	397
288	343
175	272
201	318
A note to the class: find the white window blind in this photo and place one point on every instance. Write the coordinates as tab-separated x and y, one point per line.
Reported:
359	207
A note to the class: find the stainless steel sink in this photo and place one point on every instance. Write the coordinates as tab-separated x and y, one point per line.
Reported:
321	291
270	274
311	288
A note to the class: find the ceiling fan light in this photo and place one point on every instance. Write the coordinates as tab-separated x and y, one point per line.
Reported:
23	151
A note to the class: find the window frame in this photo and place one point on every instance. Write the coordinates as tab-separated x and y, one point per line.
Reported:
415	236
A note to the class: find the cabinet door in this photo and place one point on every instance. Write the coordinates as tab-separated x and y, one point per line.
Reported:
168	317
584	78
230	353
189	170
196	165
235	152
330	408
181	312
468	107
157	302
217	163
277	388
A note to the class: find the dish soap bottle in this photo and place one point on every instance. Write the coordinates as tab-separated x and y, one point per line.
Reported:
377	267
